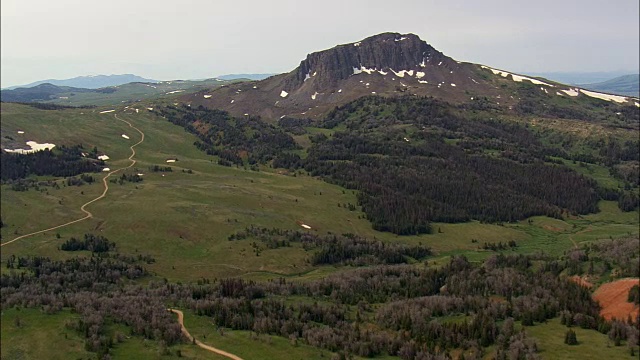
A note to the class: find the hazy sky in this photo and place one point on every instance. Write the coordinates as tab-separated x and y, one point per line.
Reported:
188	39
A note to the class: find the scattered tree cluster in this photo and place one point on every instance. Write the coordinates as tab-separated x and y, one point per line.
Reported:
93	243
233	140
346	249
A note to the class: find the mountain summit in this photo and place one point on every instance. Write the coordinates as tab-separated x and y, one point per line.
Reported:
385	53
387	64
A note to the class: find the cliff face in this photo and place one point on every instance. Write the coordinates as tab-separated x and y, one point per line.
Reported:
383	53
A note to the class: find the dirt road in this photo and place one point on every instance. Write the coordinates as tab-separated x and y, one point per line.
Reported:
197	342
88	214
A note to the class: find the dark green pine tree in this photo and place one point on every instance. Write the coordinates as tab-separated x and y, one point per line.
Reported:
570	337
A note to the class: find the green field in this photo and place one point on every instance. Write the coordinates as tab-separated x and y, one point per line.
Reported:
183	219
591	344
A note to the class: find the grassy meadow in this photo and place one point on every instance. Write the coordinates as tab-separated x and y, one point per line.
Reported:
183	219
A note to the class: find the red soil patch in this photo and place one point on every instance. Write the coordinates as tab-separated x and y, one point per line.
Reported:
581	281
613	299
551	228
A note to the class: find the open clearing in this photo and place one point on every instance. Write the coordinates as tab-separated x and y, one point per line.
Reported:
613	299
183	219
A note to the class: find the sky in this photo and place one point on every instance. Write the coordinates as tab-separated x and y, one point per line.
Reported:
194	39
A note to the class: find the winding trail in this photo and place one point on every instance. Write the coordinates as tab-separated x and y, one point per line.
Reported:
198	342
104	193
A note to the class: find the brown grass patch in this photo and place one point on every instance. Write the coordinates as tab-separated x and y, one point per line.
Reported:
613	299
582	281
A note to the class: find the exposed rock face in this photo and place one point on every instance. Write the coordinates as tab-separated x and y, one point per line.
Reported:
383	53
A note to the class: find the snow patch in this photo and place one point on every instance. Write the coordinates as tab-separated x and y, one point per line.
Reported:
402	38
103	157
34	147
516	78
20	132
174	91
440	63
423	64
106	169
283	94
452	84
171	160
405	139
356	44
305	226
606	97
307	77
423	81
420	74
206	96
125	136
313	97
401	73
150	109
106	111
382	72
232	101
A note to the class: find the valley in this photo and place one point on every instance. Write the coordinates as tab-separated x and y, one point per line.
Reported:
380	224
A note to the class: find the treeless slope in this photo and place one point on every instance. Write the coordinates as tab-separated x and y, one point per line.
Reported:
613	299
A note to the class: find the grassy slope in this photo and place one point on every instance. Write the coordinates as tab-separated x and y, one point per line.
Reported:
183	220
37	332
591	344
131	92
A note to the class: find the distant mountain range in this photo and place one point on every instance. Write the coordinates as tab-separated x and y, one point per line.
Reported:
89	82
244	76
623	85
577	78
40	92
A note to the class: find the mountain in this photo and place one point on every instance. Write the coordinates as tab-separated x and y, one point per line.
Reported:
388	64
622	85
244	76
91	81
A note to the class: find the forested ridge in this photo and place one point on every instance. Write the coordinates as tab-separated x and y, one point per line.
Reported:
400	310
234	140
415	161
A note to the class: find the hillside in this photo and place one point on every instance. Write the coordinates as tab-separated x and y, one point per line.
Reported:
113	95
89	82
628	85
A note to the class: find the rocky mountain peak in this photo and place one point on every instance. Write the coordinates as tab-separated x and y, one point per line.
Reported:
383	53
